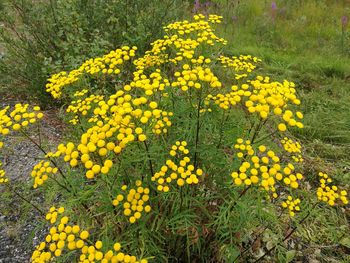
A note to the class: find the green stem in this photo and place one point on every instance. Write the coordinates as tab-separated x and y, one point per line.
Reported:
26	200
197	130
257	130
39	133
149	159
265	137
52	161
221	132
117	172
61	185
181	198
289	234
109	190
243	192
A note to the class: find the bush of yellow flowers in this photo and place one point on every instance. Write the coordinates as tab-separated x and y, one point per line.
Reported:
171	154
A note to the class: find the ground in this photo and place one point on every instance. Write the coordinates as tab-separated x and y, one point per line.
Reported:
19	230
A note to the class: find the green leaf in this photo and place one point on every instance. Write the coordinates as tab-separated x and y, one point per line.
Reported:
345	242
290	255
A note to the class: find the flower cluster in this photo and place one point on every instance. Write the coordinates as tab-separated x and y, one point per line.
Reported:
20	117
149	83
242	63
61	235
292	205
182	40
149	60
199	27
82	106
3	178
135	201
93	253
64	236
292	147
243	148
41	172
262	166
330	194
190	78
108	64
120	120
80	93
264	98
215	19
182	171
73	156
5	123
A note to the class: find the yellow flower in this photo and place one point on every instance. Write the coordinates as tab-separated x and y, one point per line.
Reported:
84	234
282	127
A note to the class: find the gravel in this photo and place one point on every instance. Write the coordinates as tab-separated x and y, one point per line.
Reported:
18	236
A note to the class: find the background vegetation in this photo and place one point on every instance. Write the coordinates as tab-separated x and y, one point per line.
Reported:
44	37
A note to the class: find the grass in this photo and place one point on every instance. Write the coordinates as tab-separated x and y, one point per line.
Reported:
303	43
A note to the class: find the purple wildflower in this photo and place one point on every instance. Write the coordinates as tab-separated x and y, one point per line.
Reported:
273	6
196	6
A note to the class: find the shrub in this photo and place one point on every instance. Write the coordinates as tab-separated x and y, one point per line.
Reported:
44	37
175	155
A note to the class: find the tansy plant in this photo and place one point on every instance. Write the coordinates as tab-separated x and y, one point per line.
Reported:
167	152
